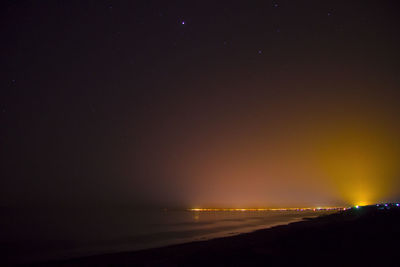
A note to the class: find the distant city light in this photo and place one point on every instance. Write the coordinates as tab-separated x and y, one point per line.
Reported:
267	209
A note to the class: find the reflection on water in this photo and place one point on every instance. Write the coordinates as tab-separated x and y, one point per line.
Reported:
40	235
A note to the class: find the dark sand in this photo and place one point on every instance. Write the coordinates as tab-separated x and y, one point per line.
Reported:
367	236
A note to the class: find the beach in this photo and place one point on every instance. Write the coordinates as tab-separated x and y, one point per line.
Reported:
200	133
364	236
38	235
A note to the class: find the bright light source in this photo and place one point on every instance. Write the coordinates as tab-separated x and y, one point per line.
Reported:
357	207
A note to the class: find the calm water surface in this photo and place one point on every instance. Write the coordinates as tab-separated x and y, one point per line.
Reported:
28	235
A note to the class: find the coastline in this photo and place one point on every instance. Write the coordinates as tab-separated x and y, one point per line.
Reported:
128	248
353	234
176	227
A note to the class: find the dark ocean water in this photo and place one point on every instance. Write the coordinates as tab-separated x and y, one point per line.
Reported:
36	235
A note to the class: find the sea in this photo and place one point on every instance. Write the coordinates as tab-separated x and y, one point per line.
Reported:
28	236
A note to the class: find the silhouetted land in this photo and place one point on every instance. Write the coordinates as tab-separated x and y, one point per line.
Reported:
368	236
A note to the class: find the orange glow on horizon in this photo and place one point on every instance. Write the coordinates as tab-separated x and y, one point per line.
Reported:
267	209
345	161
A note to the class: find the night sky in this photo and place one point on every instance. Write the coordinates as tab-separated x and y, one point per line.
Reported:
199	103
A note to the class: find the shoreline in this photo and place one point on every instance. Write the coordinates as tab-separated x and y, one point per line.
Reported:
169	243
209	227
97	259
354	233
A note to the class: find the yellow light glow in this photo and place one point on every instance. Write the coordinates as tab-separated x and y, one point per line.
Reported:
360	164
363	203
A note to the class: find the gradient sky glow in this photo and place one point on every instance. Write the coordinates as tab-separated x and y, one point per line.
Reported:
239	104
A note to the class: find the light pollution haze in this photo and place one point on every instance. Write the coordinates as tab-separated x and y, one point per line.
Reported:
310	148
245	104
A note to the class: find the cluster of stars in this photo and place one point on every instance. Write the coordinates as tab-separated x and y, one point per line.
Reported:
275	4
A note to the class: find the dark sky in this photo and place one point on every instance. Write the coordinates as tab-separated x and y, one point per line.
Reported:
199	103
